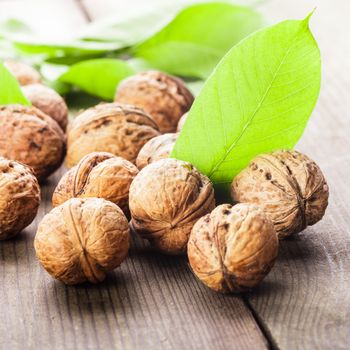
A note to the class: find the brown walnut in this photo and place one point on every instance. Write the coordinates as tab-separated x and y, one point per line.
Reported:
24	73
19	197
82	239
233	248
288	186
166	199
98	174
164	97
109	127
48	101
181	122
31	137
155	149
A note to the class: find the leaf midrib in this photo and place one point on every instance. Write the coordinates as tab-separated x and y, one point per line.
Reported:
250	120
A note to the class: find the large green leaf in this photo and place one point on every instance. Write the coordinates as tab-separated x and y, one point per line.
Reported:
98	77
197	38
258	99
10	91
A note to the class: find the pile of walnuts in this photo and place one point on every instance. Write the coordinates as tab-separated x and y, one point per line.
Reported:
121	180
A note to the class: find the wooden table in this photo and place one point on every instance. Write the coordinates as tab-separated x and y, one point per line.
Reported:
153	301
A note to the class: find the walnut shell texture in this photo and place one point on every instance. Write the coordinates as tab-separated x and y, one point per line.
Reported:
31	137
288	186
48	101
19	197
82	239
109	127
181	122
166	198
24	73
164	97
155	149
98	174
233	248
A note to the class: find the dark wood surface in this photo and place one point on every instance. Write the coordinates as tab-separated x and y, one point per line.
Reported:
154	302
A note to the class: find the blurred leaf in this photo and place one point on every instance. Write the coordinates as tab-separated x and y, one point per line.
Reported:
98	77
128	29
12	26
197	38
34	46
70	60
10	90
258	99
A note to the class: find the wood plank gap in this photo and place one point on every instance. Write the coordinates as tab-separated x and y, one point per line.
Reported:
261	324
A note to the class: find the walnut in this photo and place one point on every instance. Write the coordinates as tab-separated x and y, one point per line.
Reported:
166	198
109	127
181	122
24	73
233	248
164	97
82	239
155	149
31	137
288	186
100	175
48	101
19	197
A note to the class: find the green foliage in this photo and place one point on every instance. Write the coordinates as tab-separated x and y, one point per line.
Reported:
98	77
258	99
197	38
10	90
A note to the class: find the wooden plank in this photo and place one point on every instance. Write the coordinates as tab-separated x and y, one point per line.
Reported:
304	302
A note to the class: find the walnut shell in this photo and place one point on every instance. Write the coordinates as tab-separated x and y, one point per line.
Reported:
155	149
288	186
181	122
31	137
19	197
82	239
48	101
164	97
109	127
98	174
24	73
233	248
166	198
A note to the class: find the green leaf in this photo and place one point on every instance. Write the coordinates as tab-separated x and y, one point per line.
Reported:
258	99
133	26
11	26
33	46
10	90
98	77
197	38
